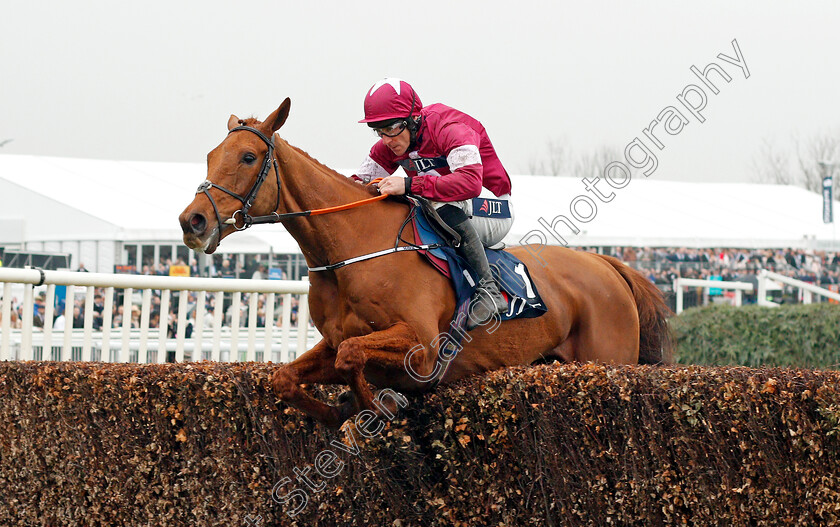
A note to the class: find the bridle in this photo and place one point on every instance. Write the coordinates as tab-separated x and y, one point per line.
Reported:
247	200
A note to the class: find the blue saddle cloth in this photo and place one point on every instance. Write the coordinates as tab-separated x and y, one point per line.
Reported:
510	273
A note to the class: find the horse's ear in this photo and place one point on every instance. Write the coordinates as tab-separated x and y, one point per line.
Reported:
233	122
276	119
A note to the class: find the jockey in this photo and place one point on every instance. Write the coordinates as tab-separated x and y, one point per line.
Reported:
448	159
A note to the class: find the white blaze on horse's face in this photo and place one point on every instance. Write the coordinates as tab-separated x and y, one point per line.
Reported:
229	191
206	248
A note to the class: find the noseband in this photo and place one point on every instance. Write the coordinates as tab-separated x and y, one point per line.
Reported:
247	200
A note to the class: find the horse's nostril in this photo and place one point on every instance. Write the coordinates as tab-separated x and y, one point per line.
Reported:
198	223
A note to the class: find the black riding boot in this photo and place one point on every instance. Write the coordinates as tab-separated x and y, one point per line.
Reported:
487	300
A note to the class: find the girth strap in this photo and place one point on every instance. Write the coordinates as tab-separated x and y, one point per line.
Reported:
377	254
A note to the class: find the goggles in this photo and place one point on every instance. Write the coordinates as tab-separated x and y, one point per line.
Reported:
391	131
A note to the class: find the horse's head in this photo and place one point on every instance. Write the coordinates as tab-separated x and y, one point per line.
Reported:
234	190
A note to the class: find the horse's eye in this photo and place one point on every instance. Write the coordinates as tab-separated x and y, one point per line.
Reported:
249	158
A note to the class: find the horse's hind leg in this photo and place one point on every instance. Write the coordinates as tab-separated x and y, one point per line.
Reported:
314	366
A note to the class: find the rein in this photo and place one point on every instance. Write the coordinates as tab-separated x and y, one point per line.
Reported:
395	249
248	200
275	217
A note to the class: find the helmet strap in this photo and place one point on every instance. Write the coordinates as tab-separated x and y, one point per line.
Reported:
411	124
413	128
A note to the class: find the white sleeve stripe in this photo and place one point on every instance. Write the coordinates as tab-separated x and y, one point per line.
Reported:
463	156
370	170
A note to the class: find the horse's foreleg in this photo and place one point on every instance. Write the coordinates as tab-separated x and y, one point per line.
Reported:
385	349
314	366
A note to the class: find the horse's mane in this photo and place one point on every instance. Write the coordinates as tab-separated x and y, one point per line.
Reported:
253	122
313	160
338	176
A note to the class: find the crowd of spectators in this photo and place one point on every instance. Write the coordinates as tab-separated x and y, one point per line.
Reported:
59	321
660	265
255	270
217	268
663	266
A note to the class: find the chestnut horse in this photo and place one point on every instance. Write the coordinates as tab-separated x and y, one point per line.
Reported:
382	318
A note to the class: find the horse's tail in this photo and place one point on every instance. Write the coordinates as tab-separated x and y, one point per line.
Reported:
655	340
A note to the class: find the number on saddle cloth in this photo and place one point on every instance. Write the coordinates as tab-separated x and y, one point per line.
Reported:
510	273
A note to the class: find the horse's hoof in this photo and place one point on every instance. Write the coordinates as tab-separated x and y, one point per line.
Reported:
337	416
347	406
387	407
345	397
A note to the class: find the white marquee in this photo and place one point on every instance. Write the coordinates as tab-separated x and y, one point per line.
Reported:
49	201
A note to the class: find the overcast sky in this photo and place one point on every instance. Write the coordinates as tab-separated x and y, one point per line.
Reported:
157	80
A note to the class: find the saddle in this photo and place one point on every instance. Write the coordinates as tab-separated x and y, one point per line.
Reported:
509	272
437	224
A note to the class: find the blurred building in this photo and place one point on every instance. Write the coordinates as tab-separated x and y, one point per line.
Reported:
106	214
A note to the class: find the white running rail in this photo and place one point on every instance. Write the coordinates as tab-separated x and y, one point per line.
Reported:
147	344
808	290
680	283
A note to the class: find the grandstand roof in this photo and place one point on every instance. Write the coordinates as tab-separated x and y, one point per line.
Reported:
63	198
